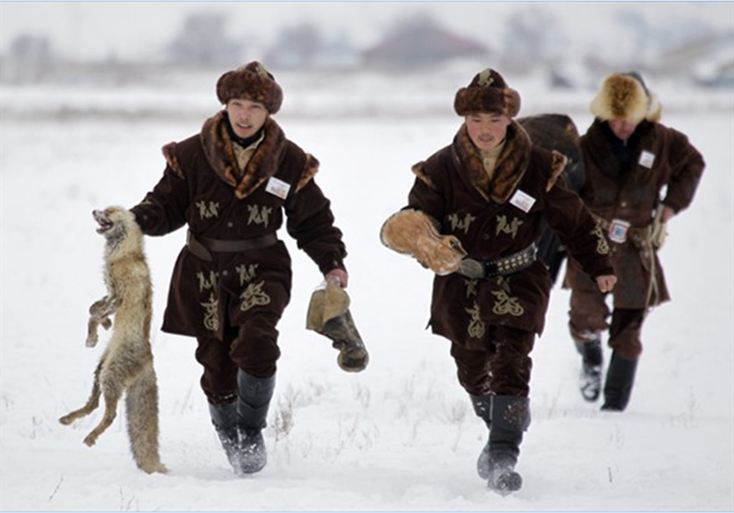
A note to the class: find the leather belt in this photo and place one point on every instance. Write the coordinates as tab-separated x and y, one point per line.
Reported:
633	232
203	247
509	264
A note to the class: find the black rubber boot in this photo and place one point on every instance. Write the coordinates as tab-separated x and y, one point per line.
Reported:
224	418
510	417
591	362
618	386
252	410
483	408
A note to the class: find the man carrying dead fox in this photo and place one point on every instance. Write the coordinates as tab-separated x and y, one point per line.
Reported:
232	183
473	216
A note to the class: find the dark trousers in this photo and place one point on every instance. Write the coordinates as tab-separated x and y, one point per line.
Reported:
252	347
502	368
589	312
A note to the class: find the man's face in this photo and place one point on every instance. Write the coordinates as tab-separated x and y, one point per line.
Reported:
622	128
486	130
246	117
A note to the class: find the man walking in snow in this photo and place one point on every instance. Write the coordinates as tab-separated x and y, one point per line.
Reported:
232	183
639	174
473	214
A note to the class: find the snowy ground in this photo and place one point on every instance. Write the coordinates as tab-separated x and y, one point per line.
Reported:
401	435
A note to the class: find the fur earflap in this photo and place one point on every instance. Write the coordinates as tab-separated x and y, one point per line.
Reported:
622	96
251	82
487	92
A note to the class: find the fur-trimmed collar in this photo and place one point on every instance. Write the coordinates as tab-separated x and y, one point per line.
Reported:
509	169
217	144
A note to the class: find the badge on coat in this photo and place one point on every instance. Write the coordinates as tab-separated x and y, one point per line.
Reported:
278	187
522	200
646	159
618	231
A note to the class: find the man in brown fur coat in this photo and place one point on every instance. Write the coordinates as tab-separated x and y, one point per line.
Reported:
484	197
232	183
639	174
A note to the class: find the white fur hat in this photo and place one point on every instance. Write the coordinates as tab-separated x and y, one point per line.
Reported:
624	95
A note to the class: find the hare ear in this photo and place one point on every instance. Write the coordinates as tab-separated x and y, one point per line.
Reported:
455	244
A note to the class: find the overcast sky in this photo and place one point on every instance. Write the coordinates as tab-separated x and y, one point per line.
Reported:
137	29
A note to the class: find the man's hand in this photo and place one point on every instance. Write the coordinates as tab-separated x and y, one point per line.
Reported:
606	282
667	214
659	231
338	275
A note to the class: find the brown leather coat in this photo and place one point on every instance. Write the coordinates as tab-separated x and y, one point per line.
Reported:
484	214
628	182
201	187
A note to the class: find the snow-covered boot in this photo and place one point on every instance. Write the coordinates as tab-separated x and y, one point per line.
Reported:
618	386
483	408
252	410
224	418
591	362
510	417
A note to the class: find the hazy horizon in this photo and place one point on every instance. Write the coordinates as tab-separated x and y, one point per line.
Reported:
139	30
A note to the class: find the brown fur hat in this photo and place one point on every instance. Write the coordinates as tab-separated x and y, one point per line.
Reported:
487	92
625	96
251	82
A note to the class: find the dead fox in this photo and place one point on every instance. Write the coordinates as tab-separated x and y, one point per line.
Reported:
127	362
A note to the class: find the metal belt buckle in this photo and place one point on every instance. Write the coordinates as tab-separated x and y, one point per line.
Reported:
618	231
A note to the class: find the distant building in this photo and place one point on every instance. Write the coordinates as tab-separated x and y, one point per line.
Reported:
302	46
707	60
421	43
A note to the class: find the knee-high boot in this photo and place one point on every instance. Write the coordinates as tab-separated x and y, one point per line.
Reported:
252	410
618	385
589	347
510	418
224	418
483	408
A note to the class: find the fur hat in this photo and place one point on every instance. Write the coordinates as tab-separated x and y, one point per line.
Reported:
625	96
487	92
251	82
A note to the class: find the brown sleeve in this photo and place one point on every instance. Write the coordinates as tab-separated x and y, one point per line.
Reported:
425	195
311	223
687	166
578	231
163	209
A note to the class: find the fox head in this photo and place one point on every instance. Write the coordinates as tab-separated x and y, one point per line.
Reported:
117	224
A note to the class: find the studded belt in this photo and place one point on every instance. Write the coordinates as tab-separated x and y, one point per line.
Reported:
509	264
